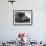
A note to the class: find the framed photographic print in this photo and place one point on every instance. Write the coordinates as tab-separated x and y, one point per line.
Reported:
22	17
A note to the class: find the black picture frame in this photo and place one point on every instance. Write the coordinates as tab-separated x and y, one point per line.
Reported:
23	23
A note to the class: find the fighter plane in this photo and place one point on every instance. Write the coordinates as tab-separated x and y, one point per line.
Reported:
12	1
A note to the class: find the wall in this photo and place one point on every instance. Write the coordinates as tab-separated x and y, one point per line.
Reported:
38	30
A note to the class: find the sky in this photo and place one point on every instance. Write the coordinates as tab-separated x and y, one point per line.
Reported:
8	31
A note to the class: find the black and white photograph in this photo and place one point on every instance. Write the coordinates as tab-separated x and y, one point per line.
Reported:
22	22
22	17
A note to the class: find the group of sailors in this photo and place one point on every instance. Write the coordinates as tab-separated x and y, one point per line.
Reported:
21	42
